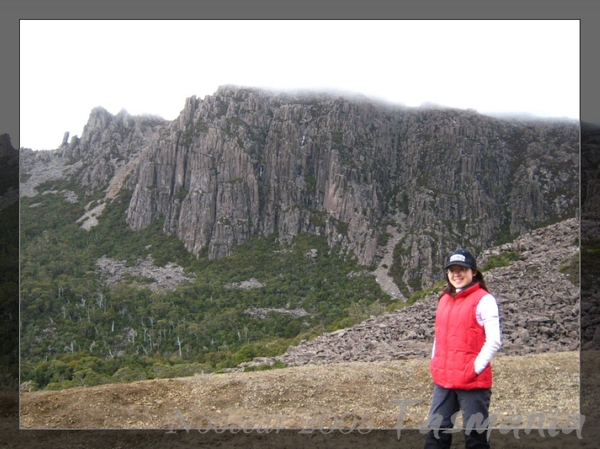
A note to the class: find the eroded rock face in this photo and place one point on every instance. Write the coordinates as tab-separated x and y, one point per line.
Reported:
244	162
539	308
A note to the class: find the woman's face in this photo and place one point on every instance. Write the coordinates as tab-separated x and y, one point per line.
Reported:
459	276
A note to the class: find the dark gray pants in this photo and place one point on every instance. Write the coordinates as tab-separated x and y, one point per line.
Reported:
445	403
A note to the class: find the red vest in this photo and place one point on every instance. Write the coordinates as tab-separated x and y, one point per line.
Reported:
458	340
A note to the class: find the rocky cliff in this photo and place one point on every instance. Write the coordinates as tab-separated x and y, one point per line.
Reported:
243	162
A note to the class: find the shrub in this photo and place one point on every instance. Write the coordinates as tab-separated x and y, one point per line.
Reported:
504	259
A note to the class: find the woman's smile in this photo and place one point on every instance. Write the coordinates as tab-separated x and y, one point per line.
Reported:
460	276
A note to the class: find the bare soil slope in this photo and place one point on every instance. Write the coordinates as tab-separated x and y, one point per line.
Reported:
362	395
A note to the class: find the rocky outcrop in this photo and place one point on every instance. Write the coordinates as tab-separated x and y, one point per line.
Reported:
244	162
539	308
101	160
262	312
245	285
39	167
144	274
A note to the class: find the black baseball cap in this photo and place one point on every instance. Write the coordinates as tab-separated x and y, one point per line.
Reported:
461	257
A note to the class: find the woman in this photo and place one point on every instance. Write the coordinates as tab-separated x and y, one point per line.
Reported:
467	335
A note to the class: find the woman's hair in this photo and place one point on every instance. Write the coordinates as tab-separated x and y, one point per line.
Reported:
451	290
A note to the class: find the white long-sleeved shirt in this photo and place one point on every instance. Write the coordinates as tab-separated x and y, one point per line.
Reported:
488	316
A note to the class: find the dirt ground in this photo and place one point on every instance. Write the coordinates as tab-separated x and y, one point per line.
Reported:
535	402
359	394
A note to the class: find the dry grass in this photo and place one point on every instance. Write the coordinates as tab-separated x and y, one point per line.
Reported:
357	395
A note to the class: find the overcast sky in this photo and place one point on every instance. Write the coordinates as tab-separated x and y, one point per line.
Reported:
150	67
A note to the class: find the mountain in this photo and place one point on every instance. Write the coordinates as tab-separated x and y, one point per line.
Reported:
245	162
257	220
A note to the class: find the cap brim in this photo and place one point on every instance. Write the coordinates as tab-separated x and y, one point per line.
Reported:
462	264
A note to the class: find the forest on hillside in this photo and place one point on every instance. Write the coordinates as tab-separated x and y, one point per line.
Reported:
79	331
